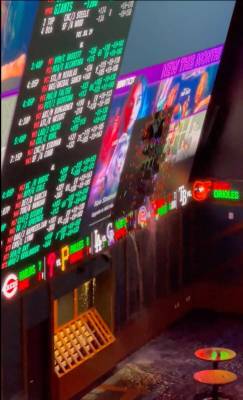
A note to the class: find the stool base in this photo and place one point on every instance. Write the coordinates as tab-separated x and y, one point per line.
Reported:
210	396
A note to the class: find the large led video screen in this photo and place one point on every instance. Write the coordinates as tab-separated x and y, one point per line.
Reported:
97	130
17	20
183	85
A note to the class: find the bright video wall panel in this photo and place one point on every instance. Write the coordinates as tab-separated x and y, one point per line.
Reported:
183	85
89	153
18	19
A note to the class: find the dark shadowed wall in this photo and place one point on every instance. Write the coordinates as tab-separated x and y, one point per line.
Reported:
220	154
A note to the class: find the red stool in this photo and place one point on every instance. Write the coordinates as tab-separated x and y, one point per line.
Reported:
215	354
216	378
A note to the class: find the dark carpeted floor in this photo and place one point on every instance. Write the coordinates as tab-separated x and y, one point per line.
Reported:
163	368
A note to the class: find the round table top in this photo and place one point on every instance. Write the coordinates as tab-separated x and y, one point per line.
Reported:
215	377
215	354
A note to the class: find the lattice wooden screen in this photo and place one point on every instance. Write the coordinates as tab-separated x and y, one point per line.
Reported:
79	340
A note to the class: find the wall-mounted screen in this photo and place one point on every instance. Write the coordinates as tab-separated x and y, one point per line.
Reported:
109	113
137	150
16	30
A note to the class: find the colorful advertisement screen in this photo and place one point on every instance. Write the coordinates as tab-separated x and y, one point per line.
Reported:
184	86
101	121
17	21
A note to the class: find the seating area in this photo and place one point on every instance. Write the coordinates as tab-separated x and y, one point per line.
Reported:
214	377
215	355
80	339
166	368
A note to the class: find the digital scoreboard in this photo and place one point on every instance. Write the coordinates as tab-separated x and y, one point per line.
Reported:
64	99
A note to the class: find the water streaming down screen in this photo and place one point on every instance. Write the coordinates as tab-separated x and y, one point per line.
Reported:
81	83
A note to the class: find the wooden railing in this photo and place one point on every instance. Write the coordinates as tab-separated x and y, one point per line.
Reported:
79	340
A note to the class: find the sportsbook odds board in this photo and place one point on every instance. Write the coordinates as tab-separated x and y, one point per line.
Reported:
70	74
91	153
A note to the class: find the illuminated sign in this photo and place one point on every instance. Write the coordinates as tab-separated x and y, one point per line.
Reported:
98	241
27	272
71	254
184	195
173	202
120	228
68	255
164	209
10	286
143	216
219	185
51	263
219	190
180	197
110	234
200	190
226	194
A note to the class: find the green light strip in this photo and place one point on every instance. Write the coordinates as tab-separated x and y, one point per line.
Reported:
27	272
76	246
226	194
164	209
120	223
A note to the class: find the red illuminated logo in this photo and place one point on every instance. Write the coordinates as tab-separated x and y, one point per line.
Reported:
221	186
10	286
201	189
51	263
